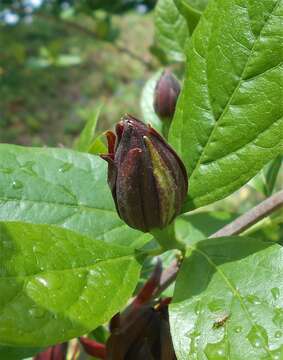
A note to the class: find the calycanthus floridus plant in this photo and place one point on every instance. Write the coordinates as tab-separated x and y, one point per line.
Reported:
133	258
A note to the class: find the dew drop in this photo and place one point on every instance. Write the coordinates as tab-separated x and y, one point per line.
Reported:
28	167
197	308
66	167
238	329
37	312
217	351
278	317
194	337
278	334
258	336
275	293
16	184
42	281
253	299
7	244
216	305
277	353
55	281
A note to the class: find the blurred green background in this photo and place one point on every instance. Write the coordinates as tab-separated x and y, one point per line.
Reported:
60	59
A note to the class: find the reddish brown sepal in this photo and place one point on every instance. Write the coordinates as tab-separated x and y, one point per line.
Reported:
93	348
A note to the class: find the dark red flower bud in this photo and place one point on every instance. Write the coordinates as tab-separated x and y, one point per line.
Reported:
147	178
143	333
145	294
93	348
166	94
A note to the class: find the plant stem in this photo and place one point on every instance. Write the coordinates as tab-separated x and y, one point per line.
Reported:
251	217
168	276
237	226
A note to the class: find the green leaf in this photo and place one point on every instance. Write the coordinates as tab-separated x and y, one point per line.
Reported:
191	228
265	180
228	301
59	284
17	353
197	5
188	229
64	188
85	140
228	122
272	174
97	146
147	99
171	30
191	10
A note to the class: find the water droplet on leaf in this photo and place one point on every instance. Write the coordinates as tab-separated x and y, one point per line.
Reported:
16	184
194	337
275	293
28	167
278	317
217	351
216	305
42	281
238	329
197	307
258	336
253	299
37	312
66	167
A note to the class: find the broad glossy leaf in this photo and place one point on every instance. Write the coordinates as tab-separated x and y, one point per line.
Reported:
228	122
147	99
171	30
58	284
64	188
228	301
191	10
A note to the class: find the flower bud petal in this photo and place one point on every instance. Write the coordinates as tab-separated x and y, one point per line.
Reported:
165	184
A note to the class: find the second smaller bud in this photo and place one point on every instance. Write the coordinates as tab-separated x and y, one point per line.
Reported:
166	93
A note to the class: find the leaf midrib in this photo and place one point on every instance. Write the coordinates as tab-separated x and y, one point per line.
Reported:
218	121
80	206
77	268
